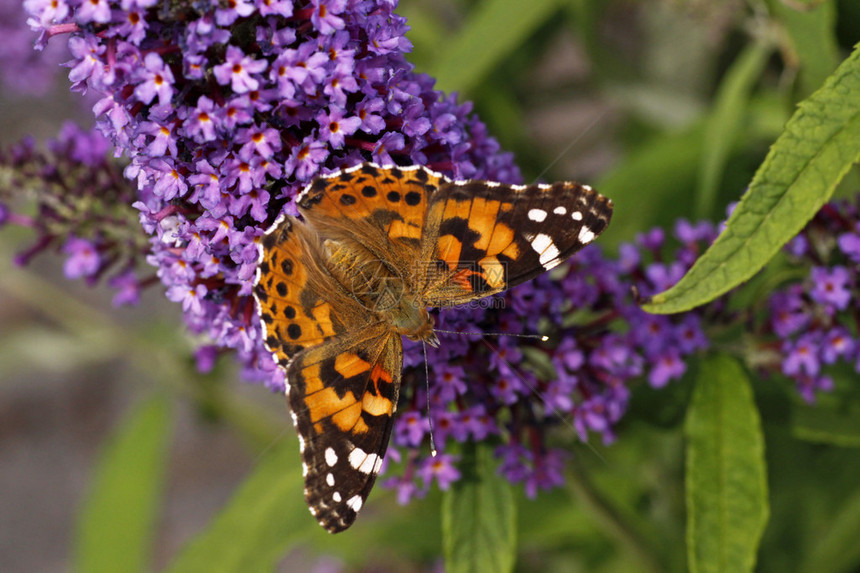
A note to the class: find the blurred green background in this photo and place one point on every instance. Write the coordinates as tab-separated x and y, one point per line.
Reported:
666	106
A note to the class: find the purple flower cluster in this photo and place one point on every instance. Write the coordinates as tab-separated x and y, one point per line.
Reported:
226	110
82	207
815	320
517	390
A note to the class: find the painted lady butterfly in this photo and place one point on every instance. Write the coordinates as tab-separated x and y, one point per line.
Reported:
378	246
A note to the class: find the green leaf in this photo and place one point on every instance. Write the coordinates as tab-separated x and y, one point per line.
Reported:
837	549
263	520
116	523
478	517
727	507
819	145
495	29
725	122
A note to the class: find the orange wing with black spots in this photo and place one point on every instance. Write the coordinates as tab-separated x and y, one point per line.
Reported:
343	395
482	238
301	303
377	212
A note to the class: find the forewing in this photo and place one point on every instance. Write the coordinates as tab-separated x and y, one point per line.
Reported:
301	297
377	212
342	395
481	238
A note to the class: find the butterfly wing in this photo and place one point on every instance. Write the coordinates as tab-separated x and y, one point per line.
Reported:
376	212
343	366
302	298
343	394
481	238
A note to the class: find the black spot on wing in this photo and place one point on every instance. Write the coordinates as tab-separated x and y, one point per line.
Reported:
369	169
412	198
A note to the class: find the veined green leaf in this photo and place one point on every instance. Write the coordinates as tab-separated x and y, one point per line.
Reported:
727	507
478	517
115	526
819	145
257	527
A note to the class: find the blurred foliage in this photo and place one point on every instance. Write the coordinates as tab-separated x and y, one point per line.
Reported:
668	107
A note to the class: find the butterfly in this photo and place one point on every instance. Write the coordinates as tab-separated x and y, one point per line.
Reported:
377	247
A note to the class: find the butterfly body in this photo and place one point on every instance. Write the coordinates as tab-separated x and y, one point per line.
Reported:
380	245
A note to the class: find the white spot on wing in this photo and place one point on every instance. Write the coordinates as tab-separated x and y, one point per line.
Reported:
585	235
336	496
364	462
492	183
330	457
560	210
540	242
543	246
537	215
329	479
354	503
576	216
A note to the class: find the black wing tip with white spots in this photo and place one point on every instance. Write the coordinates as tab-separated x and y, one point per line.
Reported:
561	219
339	465
339	480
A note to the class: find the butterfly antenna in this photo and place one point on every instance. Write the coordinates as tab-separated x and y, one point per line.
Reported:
541	337
429	417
